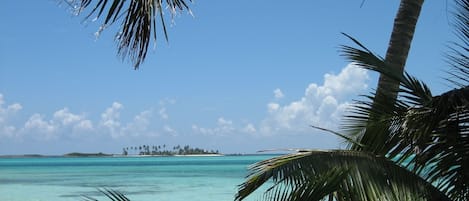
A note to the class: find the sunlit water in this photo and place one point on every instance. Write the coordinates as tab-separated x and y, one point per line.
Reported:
140	178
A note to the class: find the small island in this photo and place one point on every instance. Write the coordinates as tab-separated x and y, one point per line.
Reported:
163	150
77	154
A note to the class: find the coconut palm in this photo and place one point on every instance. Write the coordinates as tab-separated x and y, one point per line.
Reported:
396	55
138	22
399	44
419	149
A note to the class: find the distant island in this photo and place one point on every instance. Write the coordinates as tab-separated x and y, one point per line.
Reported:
163	150
77	154
142	150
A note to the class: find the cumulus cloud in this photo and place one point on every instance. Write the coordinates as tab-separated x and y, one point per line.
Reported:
249	128
163	114
139	126
321	105
272	107
5	114
67	118
278	93
39	125
84	125
223	127
110	119
63	122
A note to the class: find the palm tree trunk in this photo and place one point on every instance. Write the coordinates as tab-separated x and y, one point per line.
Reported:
396	56
399	44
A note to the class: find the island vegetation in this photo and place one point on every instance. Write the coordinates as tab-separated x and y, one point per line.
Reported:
164	150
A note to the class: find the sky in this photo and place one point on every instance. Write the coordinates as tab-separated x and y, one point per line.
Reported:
236	76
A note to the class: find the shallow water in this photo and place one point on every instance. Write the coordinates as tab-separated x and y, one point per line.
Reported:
140	178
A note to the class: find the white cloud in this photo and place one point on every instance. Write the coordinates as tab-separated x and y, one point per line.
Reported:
63	123
163	114
84	125
139	126
110	119
249	128
224	123
321	105
278	93
66	117
272	107
14	107
5	113
37	124
223	127
7	131
170	130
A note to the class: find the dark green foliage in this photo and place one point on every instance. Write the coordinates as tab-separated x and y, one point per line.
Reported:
414	149
162	150
342	175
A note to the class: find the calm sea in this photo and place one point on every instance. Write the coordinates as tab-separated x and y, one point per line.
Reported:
140	178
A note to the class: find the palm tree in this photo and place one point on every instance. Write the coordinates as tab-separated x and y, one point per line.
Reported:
419	149
399	44
396	56
138	21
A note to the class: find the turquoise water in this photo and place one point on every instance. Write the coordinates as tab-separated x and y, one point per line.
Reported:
140	178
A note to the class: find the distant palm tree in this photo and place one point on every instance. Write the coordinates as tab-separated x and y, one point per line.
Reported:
419	150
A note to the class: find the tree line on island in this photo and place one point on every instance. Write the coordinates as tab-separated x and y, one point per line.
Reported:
165	150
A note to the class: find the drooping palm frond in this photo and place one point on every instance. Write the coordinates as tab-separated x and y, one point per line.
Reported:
339	175
138	22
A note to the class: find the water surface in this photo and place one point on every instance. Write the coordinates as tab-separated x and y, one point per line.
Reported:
140	178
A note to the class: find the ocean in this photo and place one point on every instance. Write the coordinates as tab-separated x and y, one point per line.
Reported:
139	178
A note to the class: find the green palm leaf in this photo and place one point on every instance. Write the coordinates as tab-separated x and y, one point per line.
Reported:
342	175
428	134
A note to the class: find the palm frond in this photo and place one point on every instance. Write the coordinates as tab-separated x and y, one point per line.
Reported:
111	194
458	56
429	134
339	174
373	122
138	22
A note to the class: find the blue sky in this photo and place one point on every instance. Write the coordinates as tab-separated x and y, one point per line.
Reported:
238	76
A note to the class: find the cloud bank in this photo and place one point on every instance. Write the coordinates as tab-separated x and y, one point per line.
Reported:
321	104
